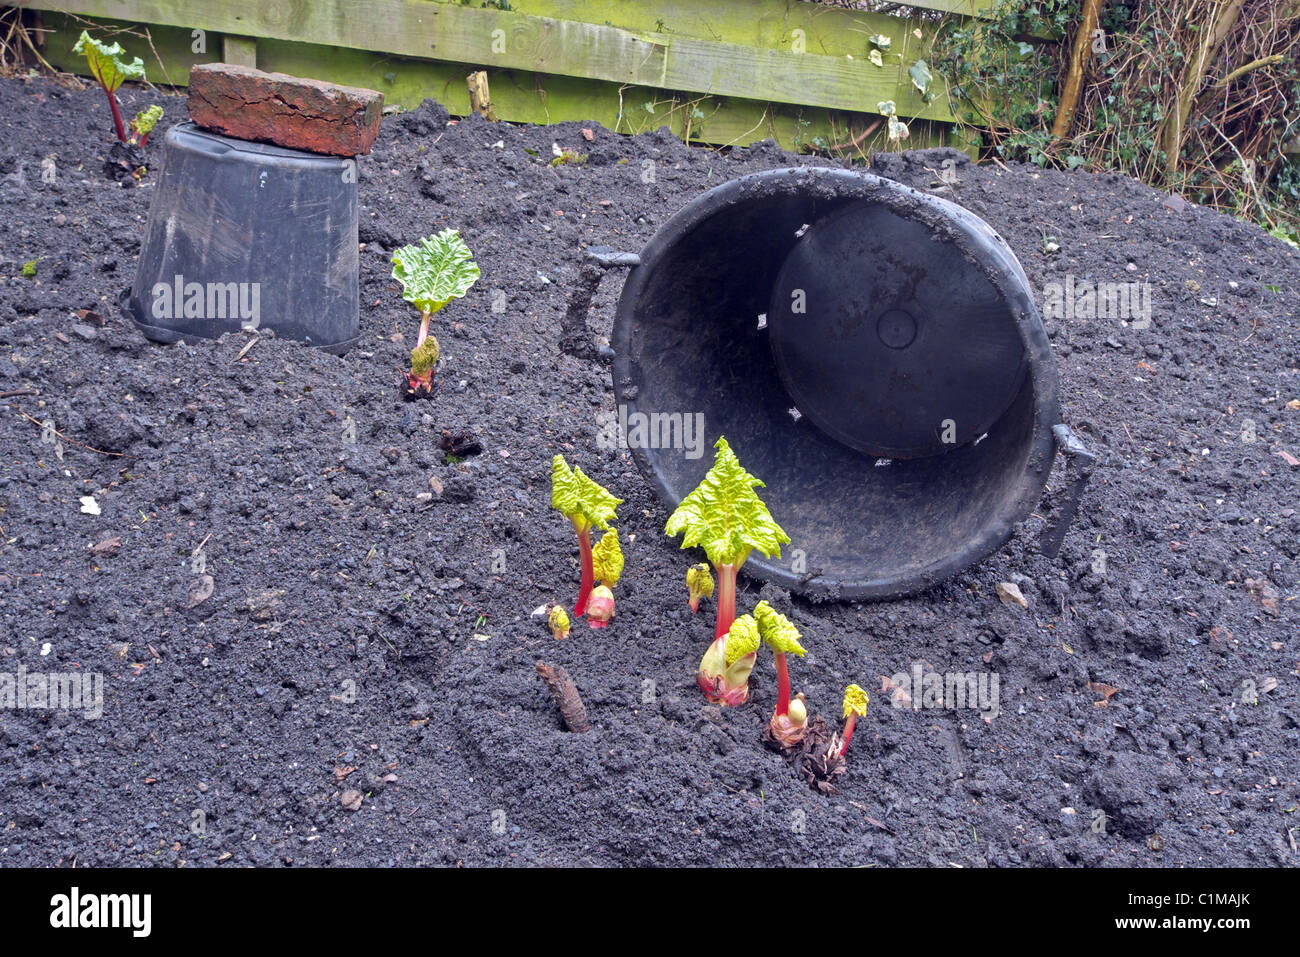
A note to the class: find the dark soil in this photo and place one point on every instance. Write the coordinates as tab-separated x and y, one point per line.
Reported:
386	566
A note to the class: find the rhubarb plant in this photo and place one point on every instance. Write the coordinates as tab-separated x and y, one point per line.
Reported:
432	272
111	70
726	518
606	567
855	706
699	583
587	505
789	722
144	124
724	670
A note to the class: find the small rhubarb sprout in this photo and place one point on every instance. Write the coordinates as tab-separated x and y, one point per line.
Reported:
780	634
558	620
432	272
699	582
607	567
726	666
587	505
855	706
600	607
726	518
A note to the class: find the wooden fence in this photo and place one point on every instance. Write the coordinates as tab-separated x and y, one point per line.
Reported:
714	71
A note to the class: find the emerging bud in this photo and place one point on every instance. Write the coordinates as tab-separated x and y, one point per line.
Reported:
699	582
558	620
600	607
789	729
726	666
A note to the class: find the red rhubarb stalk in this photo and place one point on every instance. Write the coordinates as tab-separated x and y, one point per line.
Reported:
782	685
588	569
117	116
726	599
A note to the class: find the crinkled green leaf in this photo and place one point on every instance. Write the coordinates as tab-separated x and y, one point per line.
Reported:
435	271
875	57
898	130
607	559
742	639
106	63
725	516
777	631
880	41
855	701
886	107
146	120
579	498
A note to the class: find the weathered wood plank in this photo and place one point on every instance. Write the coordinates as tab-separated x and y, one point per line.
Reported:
518	96
505	39
239	51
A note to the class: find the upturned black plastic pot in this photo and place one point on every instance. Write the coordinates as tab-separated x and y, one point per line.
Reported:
872	353
248	236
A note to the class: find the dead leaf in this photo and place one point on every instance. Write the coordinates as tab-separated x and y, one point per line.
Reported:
352	800
1102	689
1267	684
1287	457
90	315
435	483
896	694
1266	593
341	772
1293	405
108	546
202	590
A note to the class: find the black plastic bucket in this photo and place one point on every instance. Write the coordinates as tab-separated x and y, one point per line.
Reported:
248	236
872	353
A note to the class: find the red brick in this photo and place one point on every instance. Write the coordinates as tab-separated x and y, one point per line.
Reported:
285	110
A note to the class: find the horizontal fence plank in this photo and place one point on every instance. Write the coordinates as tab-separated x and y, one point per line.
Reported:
507	39
517	96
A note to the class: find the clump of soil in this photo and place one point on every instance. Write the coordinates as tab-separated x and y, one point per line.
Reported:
370	628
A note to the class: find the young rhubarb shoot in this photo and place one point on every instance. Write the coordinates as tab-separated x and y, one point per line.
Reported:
725	516
558	622
699	582
433	272
788	724
587	505
726	666
855	706
606	567
144	124
108	67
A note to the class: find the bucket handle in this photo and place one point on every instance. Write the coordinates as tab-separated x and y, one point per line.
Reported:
575	336
1079	461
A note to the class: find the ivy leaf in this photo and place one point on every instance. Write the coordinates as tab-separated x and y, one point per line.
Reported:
436	271
106	63
898	130
579	499
874	57
880	41
921	77
725	516
886	107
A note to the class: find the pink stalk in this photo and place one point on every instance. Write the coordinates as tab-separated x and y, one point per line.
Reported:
117	117
424	316
726	599
782	685
848	732
588	570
